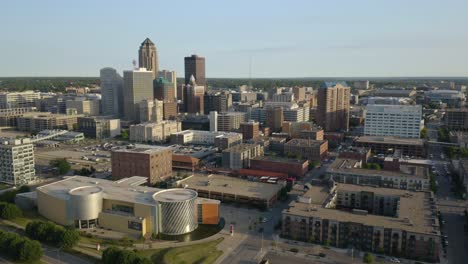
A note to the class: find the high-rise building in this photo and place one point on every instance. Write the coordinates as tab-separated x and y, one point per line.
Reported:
151	110
299	93
229	121
213	121
220	102
393	120
333	106
274	118
84	106
152	162
250	130
138	86
111	91
195	65
164	90
171	77
170	110
148	57
195	95
17	162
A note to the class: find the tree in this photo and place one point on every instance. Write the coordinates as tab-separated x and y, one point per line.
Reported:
424	133
20	248
29	251
113	255
62	165
124	134
68	239
9	211
368	258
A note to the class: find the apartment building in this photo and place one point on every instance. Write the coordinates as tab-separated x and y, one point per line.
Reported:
9	116
333	106
239	156
390	221
35	122
250	130
229	121
18	99
17	161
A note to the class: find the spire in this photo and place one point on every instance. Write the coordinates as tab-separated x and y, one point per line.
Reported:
147	42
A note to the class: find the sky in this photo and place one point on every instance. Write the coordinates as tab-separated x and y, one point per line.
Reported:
277	38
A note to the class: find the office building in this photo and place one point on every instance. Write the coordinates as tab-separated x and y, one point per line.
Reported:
124	206
219	102
283	97
313	150
194	97
385	221
233	190
9	116
220	140
274	118
152	162
229	121
171	77
35	122
18	99
333	106
361	85
148	57
99	127
250	130
393	120
151	110
385	145
138	86
164	90
456	118
213	121
195	65
292	167
170	110
451	98
17	162
195	122
395	92
302	130
299	93
84	106
154	132
239	156
112	92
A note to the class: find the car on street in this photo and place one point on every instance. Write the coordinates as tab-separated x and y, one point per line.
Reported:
395	260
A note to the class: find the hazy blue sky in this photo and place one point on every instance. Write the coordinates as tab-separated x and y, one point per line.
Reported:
287	38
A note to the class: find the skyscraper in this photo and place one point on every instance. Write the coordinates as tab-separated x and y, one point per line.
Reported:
164	90
195	65
333	106
138	86
194	97
148	57
171	76
111	91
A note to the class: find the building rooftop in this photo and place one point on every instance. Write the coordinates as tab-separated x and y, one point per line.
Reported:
333	84
140	148
231	185
304	142
390	140
240	148
351	166
416	211
280	159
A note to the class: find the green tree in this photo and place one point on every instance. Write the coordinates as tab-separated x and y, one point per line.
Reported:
9	211
424	133
29	251
68	239
62	165
124	134
368	258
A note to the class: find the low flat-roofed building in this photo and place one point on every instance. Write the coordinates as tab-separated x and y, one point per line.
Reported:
313	150
409	177
199	152
154	132
390	221
362	154
230	189
8	116
219	139
382	145
34	122
99	127
292	167
185	162
124	206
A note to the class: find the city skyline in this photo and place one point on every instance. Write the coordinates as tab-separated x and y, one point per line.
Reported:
313	39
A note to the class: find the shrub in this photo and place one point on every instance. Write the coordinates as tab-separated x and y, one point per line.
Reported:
20	248
9	211
368	258
52	234
114	255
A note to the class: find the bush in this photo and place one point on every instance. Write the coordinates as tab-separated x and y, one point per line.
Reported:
9	211
20	248
53	234
368	258
114	255
61	164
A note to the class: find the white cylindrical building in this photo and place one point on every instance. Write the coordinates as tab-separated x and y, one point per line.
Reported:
85	205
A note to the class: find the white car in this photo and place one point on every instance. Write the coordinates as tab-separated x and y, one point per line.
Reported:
395	260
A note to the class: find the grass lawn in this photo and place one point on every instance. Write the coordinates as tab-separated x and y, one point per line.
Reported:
203	253
27	217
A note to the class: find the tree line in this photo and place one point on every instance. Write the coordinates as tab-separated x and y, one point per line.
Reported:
52	234
19	248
